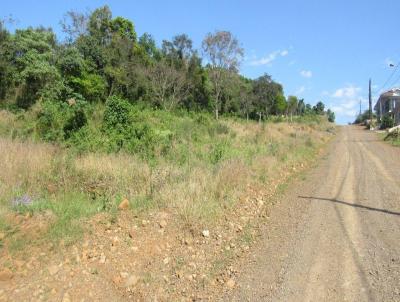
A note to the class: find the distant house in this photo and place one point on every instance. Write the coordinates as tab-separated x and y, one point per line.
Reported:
389	103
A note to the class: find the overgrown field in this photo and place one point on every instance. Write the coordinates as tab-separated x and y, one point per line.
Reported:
190	165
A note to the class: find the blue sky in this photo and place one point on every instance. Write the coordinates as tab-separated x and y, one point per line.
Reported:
319	50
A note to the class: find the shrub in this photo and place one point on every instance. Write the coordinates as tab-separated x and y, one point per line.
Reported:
116	114
50	121
76	120
91	86
218	152
57	121
387	122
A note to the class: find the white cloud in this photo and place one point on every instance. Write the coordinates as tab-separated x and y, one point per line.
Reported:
306	73
345	102
348	113
349	91
269	58
300	90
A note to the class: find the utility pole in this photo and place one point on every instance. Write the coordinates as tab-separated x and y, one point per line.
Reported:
360	108
370	101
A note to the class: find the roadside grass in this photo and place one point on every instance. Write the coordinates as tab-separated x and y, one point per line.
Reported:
393	138
208	167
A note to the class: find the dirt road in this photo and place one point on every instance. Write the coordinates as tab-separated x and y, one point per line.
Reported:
336	235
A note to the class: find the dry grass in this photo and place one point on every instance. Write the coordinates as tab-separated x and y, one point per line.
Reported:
196	194
24	166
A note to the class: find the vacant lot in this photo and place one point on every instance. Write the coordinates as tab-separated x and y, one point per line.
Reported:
185	215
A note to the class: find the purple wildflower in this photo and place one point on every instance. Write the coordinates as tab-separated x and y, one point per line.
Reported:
24	200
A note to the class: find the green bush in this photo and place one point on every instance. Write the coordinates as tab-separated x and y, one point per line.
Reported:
116	115
136	131
50	121
76	120
218	152
387	122
57	121
91	86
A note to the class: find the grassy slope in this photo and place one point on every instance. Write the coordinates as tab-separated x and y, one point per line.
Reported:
207	168
393	138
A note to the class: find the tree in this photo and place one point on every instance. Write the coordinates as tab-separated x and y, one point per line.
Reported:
308	109
200	88
242	100
74	25
301	107
224	54
32	52
123	28
331	115
266	92
5	66
292	104
99	25
168	85
148	46
319	108
280	104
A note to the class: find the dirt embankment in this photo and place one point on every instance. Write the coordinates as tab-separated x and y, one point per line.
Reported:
153	257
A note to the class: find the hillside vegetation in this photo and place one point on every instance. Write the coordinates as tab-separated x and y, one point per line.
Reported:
125	165
101	56
105	115
193	165
167	217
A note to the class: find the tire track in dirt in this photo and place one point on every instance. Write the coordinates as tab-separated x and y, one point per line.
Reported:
346	243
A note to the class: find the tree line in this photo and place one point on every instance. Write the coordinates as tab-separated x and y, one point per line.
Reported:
102	56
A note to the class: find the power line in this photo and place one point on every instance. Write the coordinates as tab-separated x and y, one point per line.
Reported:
391	76
396	81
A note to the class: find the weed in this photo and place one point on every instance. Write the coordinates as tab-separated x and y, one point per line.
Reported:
192	165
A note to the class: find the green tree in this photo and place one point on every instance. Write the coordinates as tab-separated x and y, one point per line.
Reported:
32	52
331	115
280	104
292	104
319	108
266	93
224	54
5	66
124	28
147	47
199	93
301	107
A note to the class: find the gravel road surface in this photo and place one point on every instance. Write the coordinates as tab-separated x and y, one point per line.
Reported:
335	236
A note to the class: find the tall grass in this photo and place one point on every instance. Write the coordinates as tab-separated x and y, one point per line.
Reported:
208	168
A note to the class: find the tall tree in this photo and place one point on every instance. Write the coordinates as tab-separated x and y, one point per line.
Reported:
5	66
280	104
32	52
292	104
148	46
331	115
266	94
168	85
74	25
319	108
301	107
224	54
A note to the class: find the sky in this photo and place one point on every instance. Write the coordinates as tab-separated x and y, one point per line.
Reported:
318	50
